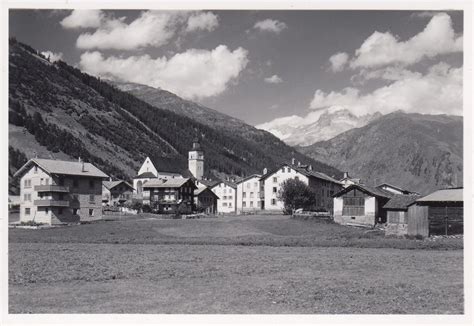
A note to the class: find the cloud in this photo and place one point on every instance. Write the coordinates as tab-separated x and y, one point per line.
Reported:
202	21
83	19
53	56
151	28
439	91
381	49
270	25
193	74
338	61
275	79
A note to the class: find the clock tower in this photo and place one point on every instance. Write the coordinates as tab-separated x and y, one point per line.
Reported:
196	160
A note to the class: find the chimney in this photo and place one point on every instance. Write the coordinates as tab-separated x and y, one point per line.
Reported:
310	168
265	170
346	174
293	161
110	179
79	159
299	163
83	167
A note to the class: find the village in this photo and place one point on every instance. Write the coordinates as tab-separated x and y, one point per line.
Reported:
57	192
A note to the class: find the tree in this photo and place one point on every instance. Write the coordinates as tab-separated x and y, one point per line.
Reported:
296	194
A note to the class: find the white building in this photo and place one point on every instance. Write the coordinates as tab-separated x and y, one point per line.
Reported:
226	191
196	161
347	180
248	194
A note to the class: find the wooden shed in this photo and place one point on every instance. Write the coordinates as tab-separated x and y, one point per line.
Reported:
397	213
439	213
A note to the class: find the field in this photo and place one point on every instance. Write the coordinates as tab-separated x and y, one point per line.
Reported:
254	264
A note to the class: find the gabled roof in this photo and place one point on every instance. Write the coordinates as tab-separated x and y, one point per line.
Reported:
112	184
373	191
202	189
63	168
167	183
248	178
228	183
208	183
398	202
404	191
304	170
146	175
443	195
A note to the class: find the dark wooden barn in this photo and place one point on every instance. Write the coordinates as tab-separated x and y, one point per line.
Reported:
439	213
397	213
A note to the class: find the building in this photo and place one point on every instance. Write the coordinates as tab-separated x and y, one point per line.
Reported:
226	191
13	202
196	161
324	185
360	204
439	213
175	195
205	200
248	194
56	192
346	181
397	213
116	193
396	190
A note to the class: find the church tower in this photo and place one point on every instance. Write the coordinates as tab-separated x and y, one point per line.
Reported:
196	160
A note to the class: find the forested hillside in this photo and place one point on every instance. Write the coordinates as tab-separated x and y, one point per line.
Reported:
56	111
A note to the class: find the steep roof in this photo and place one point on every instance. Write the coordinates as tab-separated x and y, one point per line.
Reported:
63	168
404	191
166	183
401	201
248	177
304	170
444	195
228	183
373	191
202	189
146	175
112	184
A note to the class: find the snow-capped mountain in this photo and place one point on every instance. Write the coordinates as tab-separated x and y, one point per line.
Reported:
317	126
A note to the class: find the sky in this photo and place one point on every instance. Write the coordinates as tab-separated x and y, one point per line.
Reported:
266	66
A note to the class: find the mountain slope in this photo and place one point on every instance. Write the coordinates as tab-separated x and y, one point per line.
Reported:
56	111
317	126
415	151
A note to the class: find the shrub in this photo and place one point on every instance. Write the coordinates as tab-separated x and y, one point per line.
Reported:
296	194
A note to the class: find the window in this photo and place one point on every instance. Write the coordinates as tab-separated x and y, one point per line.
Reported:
60	211
251	194
244	194
75	182
353	206
27	197
41	181
224	204
248	185
230	204
274	202
91	198
230	197
35	169
275	179
225	197
27	211
91	212
283	170
244	204
274	190
27	183
288	169
46	210
297	178
91	183
251	204
225	190
75	211
255	184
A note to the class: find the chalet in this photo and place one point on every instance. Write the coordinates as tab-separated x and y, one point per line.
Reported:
441	212
361	204
116	193
248	194
205	199
174	195
397	213
226	191
56	192
324	185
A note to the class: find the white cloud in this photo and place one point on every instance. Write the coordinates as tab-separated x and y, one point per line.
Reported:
270	25
194	74
381	49
338	61
439	91
83	19
202	21
151	28
275	79
53	56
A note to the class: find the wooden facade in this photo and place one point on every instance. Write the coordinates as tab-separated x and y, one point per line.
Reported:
435	219
171	196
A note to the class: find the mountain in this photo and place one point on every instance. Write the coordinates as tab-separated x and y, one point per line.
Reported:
56	111
317	126
414	151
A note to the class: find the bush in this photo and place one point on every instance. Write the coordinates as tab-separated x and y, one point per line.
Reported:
146	208
296	194
31	223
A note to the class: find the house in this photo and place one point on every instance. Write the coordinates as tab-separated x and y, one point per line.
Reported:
13	202
396	190
175	195
56	192
441	212
204	198
346	181
361	204
324	185
116	193
397	213
166	168
226	191
248	194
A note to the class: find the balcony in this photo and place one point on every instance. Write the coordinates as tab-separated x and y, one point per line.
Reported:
51	188
51	203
